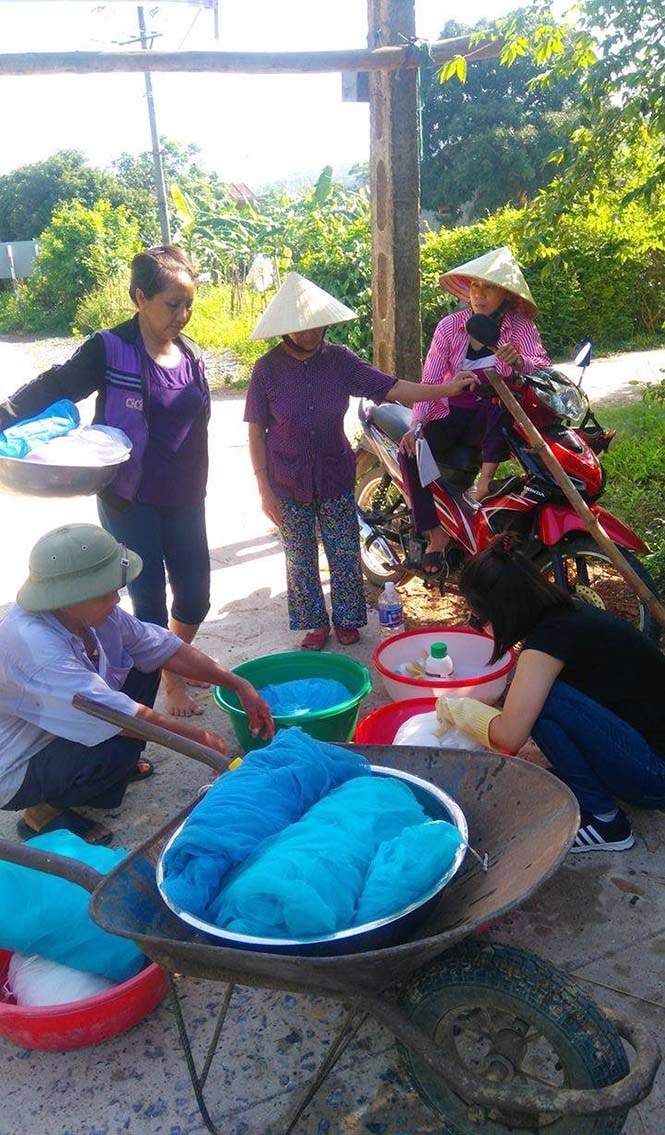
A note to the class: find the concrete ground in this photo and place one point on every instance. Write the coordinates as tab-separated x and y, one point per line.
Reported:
601	918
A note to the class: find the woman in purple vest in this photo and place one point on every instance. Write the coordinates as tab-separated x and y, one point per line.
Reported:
150	382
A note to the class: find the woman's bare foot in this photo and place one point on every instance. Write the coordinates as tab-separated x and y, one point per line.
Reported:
178	701
198	685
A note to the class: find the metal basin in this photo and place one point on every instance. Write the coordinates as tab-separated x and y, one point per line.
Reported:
31	478
437	804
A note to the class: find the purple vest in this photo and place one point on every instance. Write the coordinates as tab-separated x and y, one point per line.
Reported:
125	403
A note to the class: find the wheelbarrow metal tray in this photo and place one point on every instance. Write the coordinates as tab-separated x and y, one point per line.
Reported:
437	804
521	816
33	478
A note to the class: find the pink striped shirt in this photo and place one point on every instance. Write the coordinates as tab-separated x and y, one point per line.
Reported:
448	351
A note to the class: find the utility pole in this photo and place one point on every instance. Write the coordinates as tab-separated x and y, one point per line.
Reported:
160	183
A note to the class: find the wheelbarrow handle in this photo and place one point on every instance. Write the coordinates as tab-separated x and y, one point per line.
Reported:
149	732
50	863
533	1099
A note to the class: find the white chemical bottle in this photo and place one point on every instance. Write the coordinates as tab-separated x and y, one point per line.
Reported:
391	611
439	664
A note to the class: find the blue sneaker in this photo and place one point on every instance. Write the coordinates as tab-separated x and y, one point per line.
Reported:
603	835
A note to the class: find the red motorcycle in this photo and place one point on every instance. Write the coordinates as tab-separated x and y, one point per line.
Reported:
529	503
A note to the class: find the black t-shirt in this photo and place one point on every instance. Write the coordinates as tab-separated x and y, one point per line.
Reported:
610	661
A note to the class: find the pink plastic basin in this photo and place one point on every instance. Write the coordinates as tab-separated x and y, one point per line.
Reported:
57	1028
474	676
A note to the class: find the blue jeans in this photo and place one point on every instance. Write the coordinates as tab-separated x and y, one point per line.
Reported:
597	754
169	540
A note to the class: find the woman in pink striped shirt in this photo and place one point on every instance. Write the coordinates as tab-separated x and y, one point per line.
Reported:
492	285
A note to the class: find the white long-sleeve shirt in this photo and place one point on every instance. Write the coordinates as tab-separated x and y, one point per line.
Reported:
42	666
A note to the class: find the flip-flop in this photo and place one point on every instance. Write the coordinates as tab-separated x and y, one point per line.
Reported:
69	821
434	560
315	640
347	635
139	774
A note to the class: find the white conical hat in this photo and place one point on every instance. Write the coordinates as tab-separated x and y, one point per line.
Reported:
298	306
496	267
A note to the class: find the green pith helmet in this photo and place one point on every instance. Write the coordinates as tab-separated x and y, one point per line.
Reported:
73	564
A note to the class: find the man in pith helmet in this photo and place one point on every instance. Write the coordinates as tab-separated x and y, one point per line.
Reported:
66	635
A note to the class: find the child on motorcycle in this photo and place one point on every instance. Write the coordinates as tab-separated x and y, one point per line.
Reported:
492	285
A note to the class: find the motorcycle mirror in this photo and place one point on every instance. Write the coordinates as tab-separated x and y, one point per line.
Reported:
483	329
583	356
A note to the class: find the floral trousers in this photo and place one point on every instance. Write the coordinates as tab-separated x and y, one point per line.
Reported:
338	523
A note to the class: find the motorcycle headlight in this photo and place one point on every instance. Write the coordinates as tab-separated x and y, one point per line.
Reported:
558	393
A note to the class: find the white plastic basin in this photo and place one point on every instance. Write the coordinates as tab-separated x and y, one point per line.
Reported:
474	676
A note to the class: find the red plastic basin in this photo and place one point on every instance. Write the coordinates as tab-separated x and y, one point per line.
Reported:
57	1028
380	727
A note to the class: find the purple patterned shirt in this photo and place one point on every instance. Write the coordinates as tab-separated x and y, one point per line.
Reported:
301	406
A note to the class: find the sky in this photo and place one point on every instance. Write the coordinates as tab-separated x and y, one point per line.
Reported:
255	129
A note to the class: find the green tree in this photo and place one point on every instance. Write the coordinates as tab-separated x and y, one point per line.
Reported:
487	140
80	249
182	170
29	195
617	47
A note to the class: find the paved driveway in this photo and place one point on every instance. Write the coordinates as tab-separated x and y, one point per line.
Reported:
603	920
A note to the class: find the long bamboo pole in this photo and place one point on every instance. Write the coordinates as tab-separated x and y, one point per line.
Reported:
244	62
588	518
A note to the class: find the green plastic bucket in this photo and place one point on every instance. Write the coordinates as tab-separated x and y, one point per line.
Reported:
335	724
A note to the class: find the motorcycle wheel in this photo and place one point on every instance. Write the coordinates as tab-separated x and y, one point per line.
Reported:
591	576
374	492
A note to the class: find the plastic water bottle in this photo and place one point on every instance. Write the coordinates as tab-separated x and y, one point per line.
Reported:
391	611
439	664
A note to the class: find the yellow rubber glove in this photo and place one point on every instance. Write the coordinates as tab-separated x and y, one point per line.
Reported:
472	717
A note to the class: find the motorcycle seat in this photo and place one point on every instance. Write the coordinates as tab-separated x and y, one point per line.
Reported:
395	420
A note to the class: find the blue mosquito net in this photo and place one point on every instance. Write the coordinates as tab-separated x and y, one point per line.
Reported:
45	915
58	418
271	789
304	695
341	865
302	841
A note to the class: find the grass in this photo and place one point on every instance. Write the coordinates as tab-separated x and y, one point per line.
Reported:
216	323
635	469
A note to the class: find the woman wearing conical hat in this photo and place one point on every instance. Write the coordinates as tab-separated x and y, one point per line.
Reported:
492	285
305	468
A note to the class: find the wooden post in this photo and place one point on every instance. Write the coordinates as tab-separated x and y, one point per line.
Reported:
394	178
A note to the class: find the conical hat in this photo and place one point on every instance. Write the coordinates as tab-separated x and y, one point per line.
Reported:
497	267
298	306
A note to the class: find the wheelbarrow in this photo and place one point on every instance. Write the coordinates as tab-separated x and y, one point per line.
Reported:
494	1039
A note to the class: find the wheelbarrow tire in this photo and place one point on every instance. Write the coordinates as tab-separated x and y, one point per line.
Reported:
497	981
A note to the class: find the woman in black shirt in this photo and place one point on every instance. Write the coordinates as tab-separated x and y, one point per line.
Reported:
588	687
